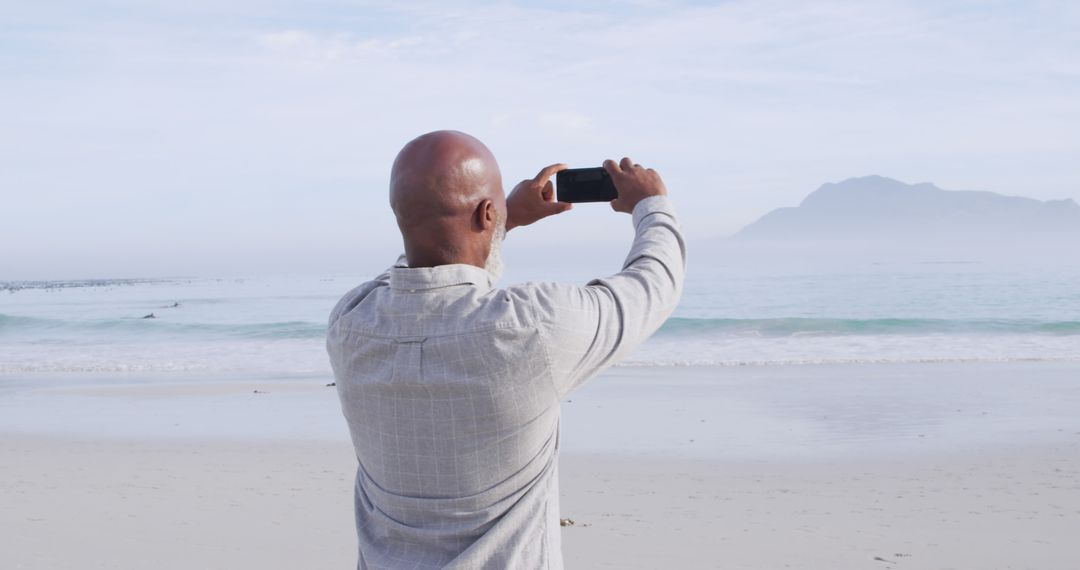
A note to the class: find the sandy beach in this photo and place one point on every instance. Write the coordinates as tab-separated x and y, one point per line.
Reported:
131	474
653	285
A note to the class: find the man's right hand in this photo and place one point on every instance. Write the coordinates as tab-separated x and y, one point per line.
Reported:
534	199
634	183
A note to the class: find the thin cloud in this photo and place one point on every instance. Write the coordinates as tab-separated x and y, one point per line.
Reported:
235	121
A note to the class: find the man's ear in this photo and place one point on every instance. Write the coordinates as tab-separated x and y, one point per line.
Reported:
486	215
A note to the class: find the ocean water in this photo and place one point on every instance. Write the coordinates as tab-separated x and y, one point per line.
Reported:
893	312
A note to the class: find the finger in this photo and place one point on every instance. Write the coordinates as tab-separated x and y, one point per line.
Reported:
548	193
560	207
612	167
626	164
549	171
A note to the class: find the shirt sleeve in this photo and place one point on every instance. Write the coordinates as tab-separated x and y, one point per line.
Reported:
357	294
588	328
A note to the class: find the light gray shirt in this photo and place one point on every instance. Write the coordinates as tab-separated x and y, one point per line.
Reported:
451	390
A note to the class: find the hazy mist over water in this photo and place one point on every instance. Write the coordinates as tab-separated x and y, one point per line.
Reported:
732	313
882	272
242	154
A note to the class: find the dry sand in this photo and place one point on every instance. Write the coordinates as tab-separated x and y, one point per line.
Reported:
73	503
935	466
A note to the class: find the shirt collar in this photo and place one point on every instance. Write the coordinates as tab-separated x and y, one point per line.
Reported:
422	278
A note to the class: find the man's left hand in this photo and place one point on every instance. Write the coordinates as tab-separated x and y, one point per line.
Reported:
534	199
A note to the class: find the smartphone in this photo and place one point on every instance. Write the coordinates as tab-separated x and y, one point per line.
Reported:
584	185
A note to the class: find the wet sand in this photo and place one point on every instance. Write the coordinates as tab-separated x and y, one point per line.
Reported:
878	466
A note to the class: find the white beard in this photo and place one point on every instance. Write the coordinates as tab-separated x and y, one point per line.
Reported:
494	263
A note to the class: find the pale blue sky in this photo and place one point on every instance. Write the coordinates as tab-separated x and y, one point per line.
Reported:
151	137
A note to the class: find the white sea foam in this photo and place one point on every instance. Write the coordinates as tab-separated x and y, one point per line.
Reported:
276	326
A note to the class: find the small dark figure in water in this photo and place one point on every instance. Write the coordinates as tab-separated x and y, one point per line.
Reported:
150	316
174	305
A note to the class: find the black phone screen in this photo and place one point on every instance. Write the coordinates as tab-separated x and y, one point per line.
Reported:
585	185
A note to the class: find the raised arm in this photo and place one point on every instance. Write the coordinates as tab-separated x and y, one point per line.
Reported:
589	328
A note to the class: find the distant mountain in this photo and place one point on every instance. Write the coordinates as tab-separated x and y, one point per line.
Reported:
878	210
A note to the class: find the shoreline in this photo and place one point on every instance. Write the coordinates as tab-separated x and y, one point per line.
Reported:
820	411
137	376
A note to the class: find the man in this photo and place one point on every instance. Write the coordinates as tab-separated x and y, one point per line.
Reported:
451	387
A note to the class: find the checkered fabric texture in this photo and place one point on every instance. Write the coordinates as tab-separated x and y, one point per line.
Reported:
451	390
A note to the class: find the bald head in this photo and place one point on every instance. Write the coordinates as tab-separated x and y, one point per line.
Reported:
446	193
